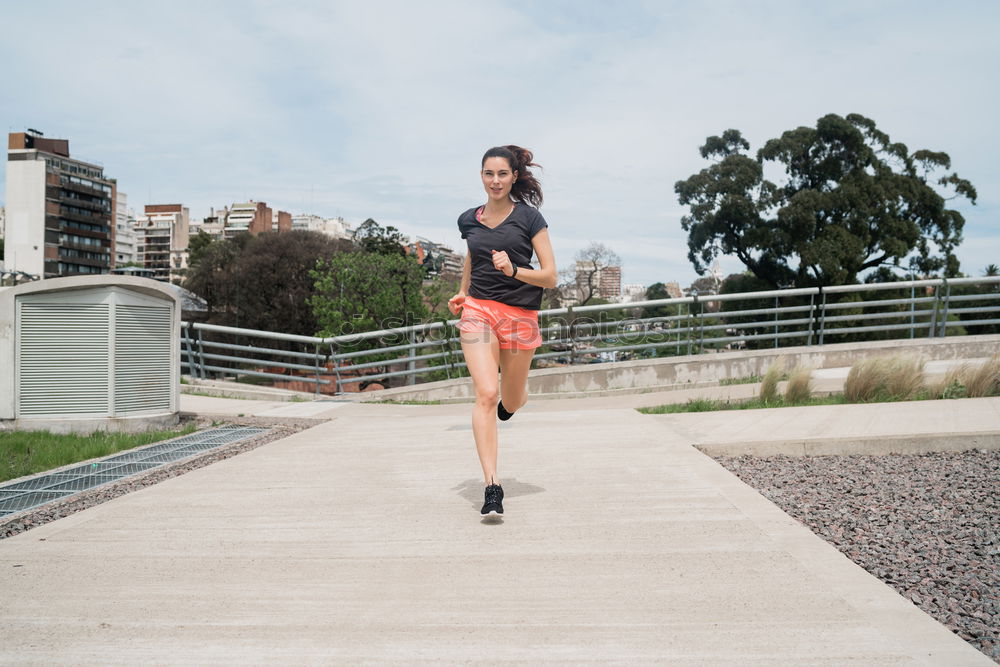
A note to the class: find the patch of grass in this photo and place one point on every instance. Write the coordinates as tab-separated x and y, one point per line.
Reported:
750	379
952	385
769	385
711	405
404	402
984	380
885	379
969	381
29	452
799	387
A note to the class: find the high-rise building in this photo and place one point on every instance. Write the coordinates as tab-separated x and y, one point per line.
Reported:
592	279
282	221
162	240
125	250
254	217
59	217
611	282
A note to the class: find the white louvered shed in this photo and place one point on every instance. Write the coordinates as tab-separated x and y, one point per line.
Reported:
85	353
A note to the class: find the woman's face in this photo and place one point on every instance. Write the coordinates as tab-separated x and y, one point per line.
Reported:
498	178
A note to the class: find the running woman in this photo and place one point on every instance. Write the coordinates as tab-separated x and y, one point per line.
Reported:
499	297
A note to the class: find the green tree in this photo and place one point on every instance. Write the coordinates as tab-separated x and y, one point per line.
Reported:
373	237
272	281
263	282
211	278
436	293
852	200
197	246
1	247
365	291
655	292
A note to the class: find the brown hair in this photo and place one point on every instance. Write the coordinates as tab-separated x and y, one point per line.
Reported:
526	188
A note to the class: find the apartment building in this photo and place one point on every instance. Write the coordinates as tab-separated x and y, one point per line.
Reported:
162	240
254	217
59	210
334	227
438	258
125	249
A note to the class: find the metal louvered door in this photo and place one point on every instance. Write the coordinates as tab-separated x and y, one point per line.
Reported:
63	359
142	359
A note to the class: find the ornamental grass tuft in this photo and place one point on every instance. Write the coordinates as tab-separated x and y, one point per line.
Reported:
769	385
799	387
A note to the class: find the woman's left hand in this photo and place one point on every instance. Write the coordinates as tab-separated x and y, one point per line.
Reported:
502	263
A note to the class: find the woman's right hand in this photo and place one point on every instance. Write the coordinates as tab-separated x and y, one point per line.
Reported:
456	302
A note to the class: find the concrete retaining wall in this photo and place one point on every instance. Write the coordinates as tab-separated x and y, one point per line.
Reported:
698	370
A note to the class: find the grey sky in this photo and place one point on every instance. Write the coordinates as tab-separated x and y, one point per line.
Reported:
383	109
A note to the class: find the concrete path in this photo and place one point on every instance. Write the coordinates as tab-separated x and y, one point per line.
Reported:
358	542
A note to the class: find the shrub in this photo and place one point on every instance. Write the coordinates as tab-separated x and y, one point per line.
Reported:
983	380
769	385
952	385
799	387
884	379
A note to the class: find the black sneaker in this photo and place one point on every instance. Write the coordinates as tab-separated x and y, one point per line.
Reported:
502	413
494	501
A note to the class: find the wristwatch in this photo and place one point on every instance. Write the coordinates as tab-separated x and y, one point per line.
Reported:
515	270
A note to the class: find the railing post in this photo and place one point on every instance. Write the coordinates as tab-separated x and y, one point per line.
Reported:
913	303
690	325
336	369
812	318
822	316
446	344
316	365
777	302
944	311
192	369
411	365
571	335
932	331
203	374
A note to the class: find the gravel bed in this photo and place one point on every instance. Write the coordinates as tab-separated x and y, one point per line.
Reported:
280	428
928	525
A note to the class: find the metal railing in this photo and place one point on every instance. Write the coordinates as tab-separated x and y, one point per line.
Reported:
608	332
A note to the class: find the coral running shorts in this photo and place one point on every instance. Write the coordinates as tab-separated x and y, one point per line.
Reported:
515	328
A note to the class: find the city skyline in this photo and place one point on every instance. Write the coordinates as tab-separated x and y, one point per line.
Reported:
383	110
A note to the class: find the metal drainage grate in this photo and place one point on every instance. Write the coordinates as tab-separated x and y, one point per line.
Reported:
20	496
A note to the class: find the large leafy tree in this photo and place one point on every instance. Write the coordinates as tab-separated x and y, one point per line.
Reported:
373	237
274	282
851	200
366	291
263	282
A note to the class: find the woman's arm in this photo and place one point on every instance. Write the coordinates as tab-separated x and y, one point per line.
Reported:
455	303
545	276
466	274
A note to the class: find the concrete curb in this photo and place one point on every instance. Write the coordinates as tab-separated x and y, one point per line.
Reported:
922	443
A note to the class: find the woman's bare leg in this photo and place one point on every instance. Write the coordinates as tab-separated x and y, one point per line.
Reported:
514	367
482	356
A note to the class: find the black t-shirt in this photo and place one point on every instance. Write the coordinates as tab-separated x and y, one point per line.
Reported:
512	235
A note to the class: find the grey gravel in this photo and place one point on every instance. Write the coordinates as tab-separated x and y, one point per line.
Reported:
927	525
280	428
